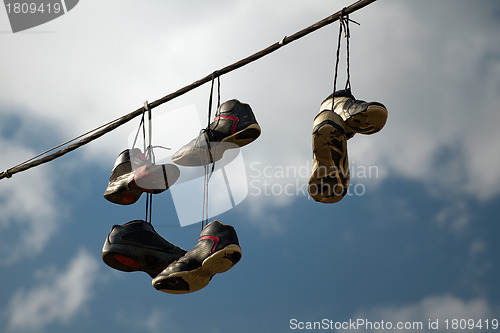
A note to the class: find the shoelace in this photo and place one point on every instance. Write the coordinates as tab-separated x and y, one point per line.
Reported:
343	27
208	136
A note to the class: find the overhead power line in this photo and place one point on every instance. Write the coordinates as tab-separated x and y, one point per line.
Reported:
112	125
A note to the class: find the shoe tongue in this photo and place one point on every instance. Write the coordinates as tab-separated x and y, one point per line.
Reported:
209	133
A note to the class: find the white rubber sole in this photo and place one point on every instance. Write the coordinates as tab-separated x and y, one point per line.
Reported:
219	262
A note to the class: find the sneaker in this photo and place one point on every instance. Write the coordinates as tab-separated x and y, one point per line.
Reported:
329	179
234	126
132	175
136	246
358	116
217	251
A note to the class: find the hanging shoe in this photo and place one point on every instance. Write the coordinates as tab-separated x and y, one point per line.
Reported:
132	175
216	252
136	246
329	179
234	126
359	116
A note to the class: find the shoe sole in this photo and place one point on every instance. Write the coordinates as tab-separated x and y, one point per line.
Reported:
194	280
329	182
245	136
368	122
237	140
124	258
118	190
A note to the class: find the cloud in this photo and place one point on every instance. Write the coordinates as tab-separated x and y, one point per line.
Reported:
55	297
158	319
155	321
28	204
441	87
477	266
455	216
441	307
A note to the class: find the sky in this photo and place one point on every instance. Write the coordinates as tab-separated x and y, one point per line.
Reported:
414	241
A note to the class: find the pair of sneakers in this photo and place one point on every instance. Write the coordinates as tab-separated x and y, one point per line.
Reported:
234	126
136	246
333	126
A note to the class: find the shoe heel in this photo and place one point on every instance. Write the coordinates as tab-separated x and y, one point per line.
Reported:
222	260
329	179
119	257
245	136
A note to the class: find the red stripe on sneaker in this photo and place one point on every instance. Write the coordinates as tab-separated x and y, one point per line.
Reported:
129	262
233	118
215	239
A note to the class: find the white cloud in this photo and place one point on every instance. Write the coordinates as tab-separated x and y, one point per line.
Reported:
54	297
155	321
454	217
28	204
433	308
478	264
158	319
440	84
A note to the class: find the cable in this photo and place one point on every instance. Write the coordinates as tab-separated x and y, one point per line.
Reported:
112	125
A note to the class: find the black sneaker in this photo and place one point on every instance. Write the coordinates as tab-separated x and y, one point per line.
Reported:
217	251
234	126
329	179
132	175
359	116
136	246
